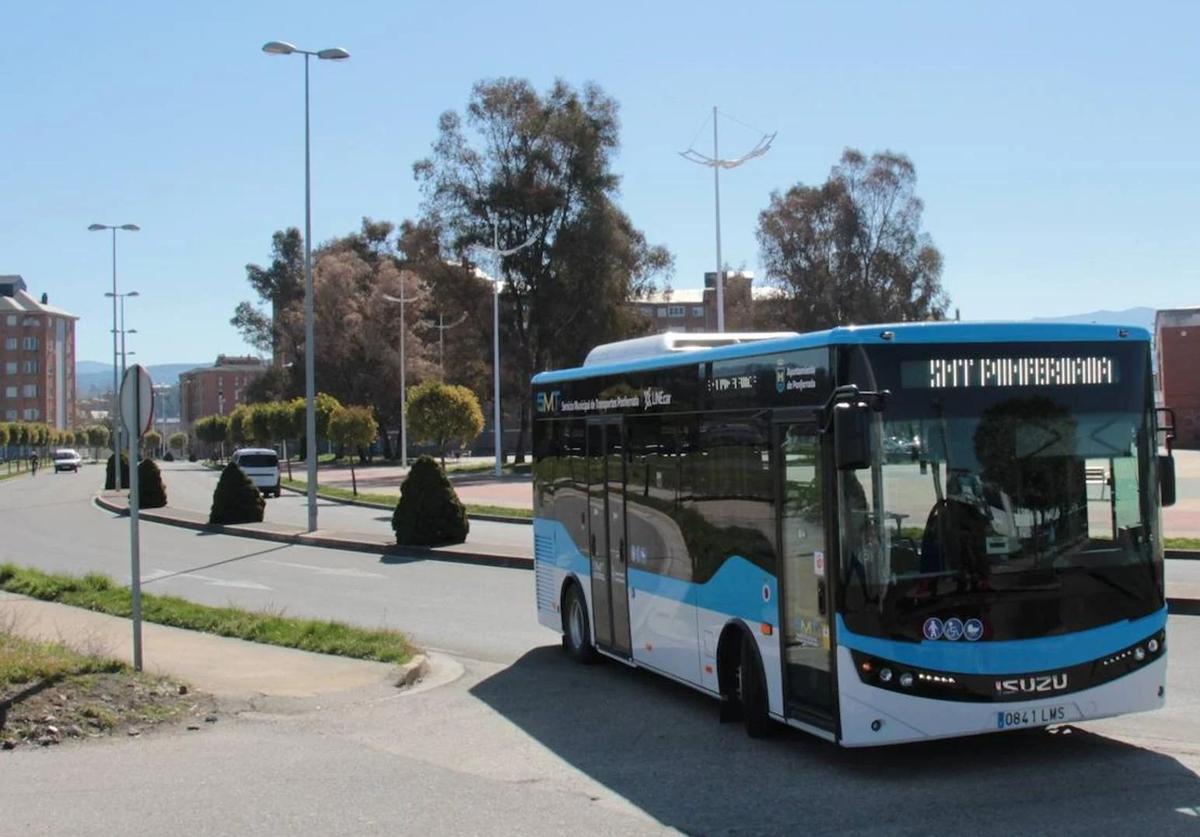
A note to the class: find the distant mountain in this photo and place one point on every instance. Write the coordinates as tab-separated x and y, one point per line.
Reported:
1143	317
93	378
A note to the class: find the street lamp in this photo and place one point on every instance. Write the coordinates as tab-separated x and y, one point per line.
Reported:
124	330
498	260
403	397
310	411
116	427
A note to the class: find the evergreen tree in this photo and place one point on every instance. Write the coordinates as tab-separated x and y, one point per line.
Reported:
236	499
429	512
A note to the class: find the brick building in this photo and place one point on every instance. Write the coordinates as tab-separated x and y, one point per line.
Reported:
216	389
695	309
1177	344
37	358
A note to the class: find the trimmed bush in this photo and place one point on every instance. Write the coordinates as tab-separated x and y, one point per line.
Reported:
191	457
236	499
429	512
152	494
110	481
168	457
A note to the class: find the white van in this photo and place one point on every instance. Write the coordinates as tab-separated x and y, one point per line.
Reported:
261	465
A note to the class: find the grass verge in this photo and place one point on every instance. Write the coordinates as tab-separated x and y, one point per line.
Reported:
345	494
100	593
1181	543
50	693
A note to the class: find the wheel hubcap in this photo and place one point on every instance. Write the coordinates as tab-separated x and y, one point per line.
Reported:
576	621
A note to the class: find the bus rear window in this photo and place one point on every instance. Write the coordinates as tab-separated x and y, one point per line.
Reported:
258	460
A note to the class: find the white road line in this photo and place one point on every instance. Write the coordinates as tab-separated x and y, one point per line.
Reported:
346	572
154	575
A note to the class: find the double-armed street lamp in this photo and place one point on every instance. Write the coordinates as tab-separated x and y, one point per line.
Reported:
310	412
116	385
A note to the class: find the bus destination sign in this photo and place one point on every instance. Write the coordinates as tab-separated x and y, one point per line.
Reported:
1001	372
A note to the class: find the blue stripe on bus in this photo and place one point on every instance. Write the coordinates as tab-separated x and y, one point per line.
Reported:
1017	332
735	590
1007	656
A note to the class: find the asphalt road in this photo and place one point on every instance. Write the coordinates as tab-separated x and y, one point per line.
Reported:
526	742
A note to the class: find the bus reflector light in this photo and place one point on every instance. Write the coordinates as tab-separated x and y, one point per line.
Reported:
767	629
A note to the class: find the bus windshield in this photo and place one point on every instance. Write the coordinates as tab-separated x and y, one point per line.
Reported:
1012	494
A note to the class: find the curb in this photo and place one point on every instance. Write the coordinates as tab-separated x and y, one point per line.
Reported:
493	518
1181	554
415	553
412	672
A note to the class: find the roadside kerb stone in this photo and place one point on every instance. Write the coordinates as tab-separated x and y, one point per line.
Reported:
278	533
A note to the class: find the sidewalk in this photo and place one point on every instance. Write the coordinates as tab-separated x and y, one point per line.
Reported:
224	667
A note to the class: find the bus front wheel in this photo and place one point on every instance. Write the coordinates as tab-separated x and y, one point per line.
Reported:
577	632
752	691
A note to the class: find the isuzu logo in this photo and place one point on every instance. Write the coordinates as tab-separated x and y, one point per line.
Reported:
1027	685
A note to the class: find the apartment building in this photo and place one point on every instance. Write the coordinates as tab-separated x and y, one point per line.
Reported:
37	357
695	309
217	389
1177	344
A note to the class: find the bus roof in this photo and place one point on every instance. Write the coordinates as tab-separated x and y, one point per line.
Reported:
942	332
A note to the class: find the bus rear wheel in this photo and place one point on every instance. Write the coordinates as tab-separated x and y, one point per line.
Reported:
577	632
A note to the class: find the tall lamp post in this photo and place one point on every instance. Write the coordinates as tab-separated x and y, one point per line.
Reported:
716	163
498	262
116	425
403	367
122	329
310	385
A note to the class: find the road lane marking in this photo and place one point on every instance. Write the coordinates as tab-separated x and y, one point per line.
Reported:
345	572
207	579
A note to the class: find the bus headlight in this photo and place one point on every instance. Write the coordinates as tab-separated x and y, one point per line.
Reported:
1139	653
906	680
885	675
1153	646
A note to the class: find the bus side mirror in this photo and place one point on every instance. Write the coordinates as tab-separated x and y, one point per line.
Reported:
851	436
1166	479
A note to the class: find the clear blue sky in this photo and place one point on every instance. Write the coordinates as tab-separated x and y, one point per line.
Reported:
1056	149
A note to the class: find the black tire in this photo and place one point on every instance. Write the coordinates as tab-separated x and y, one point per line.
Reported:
752	691
577	628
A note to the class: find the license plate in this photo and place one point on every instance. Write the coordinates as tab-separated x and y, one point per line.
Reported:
1037	717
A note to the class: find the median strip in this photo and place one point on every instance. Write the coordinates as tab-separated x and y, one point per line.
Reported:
100	593
388	501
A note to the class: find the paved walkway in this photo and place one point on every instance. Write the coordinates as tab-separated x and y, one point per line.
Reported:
224	667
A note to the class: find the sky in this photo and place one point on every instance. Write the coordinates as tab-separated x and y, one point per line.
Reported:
1055	144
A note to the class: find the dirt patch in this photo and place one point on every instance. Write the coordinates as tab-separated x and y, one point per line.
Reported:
95	704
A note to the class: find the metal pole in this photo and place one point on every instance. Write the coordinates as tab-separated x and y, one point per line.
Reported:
310	375
123	358
134	545
403	390
496	348
116	426
717	192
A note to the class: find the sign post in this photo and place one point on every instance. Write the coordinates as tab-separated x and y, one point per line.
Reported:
137	414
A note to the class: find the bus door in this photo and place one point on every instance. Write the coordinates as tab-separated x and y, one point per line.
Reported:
606	534
806	568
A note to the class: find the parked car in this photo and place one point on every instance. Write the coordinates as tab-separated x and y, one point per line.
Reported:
261	465
66	459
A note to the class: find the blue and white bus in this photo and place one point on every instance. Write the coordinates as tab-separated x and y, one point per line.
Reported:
875	534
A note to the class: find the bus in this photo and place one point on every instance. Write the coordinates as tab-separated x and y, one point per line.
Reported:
876	534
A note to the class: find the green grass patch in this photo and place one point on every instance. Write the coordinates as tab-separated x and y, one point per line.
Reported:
100	593
336	493
1181	543
24	661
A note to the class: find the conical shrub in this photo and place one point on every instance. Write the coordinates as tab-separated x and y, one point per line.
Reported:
429	512
110	481
236	499
152	493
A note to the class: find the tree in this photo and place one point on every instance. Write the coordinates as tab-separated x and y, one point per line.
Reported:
238	431
177	442
539	166
97	437
281	418
110	481
260	424
429	512
236	499
444	414
354	428
280	286
851	250
212	430
151	441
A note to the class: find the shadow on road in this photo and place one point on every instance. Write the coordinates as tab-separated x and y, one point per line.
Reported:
659	745
209	566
